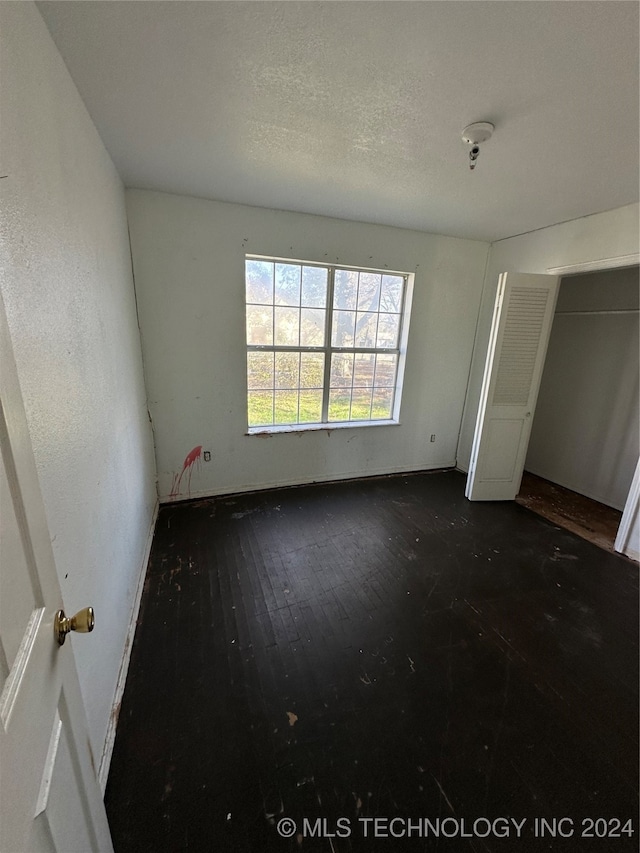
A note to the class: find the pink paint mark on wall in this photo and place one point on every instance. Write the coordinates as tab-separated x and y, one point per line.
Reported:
194	456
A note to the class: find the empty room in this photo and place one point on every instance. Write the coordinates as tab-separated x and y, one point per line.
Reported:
320	426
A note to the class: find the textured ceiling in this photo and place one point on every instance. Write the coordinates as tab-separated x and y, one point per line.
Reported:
355	109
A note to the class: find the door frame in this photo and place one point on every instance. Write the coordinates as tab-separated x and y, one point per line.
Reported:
632	504
629	520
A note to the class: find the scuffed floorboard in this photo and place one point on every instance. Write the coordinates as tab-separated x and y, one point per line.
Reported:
583	516
375	648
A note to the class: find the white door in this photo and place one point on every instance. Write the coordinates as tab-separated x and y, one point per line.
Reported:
520	331
49	795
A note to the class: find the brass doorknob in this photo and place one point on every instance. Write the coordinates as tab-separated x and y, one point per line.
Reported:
83	622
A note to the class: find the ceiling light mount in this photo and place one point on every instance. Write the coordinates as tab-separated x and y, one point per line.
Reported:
473	135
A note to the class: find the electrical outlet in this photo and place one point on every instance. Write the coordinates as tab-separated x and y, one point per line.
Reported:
207	456
433	438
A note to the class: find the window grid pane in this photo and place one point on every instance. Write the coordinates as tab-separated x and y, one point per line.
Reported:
361	404
311	370
287	370
259	282
310	406
391	294
369	291
260	408
287	284
292	309
260	371
314	287
361	380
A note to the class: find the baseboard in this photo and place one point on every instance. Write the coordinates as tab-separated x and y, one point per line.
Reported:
110	736
323	478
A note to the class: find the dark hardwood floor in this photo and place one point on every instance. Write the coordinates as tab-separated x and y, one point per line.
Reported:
377	648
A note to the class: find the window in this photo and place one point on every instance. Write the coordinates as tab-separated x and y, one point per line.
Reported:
325	344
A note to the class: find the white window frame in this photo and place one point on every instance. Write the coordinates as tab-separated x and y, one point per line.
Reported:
400	350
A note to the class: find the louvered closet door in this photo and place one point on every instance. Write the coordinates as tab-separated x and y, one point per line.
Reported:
520	331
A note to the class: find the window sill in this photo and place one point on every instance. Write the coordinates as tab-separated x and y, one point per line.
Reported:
287	428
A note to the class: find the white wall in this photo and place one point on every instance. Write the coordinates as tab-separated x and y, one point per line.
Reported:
189	269
603	235
67	287
585	430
